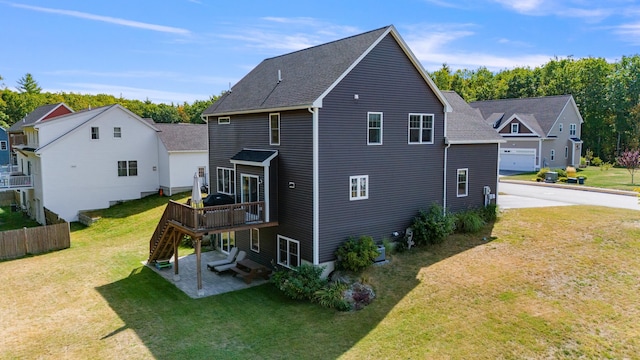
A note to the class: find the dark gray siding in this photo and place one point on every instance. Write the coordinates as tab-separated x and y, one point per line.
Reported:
293	164
403	178
268	248
482	162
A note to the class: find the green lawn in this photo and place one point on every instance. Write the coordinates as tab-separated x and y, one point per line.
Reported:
536	284
613	178
14	220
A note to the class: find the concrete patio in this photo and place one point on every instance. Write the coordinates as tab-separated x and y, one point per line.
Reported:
212	283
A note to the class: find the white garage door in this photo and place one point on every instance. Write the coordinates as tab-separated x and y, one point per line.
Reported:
518	159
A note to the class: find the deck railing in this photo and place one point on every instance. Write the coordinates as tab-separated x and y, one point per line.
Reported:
15	181
216	217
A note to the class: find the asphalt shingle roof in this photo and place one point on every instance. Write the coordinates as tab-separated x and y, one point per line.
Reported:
183	137
466	124
33	116
305	76
543	111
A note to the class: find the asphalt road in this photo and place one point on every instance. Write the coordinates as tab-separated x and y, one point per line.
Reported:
517	195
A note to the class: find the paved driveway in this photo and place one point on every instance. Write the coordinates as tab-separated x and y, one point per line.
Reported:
520	195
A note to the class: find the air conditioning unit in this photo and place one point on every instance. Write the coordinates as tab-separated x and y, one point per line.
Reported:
382	256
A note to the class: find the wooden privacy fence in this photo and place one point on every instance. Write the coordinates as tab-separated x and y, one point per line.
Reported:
37	240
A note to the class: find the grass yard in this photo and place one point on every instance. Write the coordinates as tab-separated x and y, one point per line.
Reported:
613	178
542	285
14	220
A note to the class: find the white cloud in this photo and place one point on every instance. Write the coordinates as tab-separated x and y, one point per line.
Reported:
589	10
289	34
127	92
432	44
107	19
629	32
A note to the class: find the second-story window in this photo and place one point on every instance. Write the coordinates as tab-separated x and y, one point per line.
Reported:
226	180
95	133
420	129
274	127
515	128
117	132
572	129
3	145
374	135
560	127
128	168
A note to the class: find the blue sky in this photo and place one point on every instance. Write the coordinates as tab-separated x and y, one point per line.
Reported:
186	50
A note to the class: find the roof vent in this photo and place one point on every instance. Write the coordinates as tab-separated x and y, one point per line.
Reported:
279	76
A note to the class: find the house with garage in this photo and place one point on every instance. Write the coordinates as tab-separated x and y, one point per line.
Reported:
343	139
86	160
538	132
182	150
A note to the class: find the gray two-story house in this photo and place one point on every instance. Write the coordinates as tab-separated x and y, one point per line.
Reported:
538	132
342	139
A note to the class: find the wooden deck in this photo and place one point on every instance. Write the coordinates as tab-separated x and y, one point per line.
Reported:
179	220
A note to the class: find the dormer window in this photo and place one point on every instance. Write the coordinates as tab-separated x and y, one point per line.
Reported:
515	128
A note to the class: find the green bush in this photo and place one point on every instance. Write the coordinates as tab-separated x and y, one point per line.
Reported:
596	161
489	213
432	226
332	296
542	173
469	221
356	254
561	172
301	282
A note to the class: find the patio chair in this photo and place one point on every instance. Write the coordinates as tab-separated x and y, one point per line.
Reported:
220	268
231	257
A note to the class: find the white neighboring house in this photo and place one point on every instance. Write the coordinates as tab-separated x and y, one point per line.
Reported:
88	160
182	150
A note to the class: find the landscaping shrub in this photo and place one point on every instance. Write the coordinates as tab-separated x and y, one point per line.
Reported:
596	161
301	282
489	213
432	226
542	173
332	296
356	254
469	221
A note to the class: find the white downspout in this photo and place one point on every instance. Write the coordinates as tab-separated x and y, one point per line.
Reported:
444	190
446	156
316	187
267	186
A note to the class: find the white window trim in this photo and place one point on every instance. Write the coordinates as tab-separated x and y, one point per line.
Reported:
369	128
255	240
232	174
466	182
271	142
359	196
560	127
288	240
573	129
566	152
119	132
3	145
515	126
421	140
552	156
224	120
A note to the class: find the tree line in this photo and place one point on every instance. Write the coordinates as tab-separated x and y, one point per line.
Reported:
607	94
15	105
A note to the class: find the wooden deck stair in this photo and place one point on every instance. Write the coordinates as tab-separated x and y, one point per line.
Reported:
161	246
